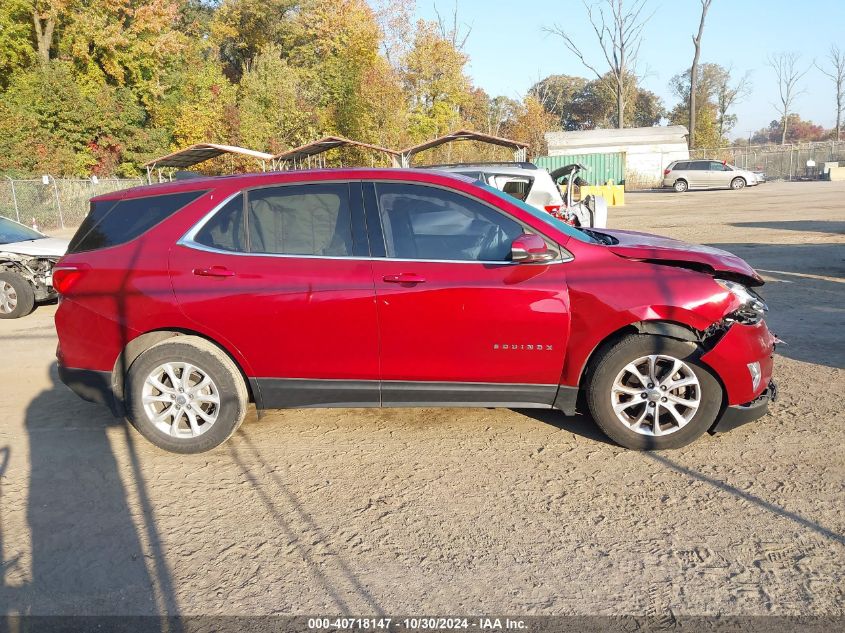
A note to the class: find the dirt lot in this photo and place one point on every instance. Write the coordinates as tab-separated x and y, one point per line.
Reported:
446	511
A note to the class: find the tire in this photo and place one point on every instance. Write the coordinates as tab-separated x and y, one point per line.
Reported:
680	186
190	406
603	393
17	298
738	183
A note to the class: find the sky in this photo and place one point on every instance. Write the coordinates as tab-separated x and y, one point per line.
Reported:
509	51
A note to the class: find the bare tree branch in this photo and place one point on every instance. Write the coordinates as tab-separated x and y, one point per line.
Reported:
693	79
619	33
836	73
789	72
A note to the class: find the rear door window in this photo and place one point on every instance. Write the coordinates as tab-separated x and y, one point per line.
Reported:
699	165
114	222
226	231
312	219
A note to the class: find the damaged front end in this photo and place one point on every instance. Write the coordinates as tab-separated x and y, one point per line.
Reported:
38	271
740	349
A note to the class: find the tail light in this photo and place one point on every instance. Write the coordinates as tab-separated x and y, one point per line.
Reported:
667	171
552	208
66	275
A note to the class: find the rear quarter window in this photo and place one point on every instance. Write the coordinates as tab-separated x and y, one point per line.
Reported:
114	222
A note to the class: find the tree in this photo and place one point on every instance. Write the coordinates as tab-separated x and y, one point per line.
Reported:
836	72
434	79
619	33
16	50
800	131
789	72
557	93
714	95
530	125
728	95
696	41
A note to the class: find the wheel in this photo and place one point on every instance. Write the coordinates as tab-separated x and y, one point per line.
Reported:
17	297
652	392
185	395
737	183
681	186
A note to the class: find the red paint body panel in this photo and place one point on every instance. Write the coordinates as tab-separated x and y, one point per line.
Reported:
292	317
741	345
645	246
473	322
323	318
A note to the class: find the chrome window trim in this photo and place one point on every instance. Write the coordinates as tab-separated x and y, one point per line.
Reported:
188	240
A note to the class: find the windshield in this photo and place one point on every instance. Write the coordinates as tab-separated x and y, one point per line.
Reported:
13	232
547	218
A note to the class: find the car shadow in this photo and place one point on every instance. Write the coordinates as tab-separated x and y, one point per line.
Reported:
804	226
582	425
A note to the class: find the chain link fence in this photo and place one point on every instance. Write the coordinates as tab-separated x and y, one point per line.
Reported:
780	162
54	203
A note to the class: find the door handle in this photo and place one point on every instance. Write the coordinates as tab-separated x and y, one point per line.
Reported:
214	271
405	278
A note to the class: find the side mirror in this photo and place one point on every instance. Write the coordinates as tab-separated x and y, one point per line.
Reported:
528	248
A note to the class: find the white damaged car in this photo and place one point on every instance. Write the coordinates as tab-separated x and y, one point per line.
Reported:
27	258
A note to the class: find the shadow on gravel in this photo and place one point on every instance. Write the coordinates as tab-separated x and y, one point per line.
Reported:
332	571
582	425
804	226
747	496
87	555
805	291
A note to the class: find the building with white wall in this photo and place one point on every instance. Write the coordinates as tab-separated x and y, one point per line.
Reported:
634	156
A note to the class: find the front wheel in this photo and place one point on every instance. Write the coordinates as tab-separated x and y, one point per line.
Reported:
737	183
17	297
681	186
651	392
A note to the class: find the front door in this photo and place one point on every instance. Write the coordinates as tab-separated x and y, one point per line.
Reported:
459	323
281	274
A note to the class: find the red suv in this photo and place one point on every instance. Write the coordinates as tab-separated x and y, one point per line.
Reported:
183	302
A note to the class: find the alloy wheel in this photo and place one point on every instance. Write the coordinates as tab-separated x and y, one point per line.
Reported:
181	400
8	298
656	395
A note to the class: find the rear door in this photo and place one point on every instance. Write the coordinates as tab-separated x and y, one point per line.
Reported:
459	322
282	274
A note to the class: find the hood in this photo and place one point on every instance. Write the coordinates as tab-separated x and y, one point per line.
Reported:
44	247
665	250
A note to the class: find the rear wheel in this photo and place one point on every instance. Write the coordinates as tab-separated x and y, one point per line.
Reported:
17	297
185	395
652	392
681	186
738	183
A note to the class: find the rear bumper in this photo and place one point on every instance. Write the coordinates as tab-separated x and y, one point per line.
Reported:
91	385
740	414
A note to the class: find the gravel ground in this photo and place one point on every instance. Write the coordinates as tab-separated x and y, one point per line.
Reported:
453	511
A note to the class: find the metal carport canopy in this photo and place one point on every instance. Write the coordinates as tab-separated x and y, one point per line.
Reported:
298	154
202	152
465	135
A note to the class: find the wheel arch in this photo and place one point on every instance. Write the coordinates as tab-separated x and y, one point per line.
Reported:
138	345
670	329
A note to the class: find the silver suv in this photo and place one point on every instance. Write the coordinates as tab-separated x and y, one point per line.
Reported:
682	175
